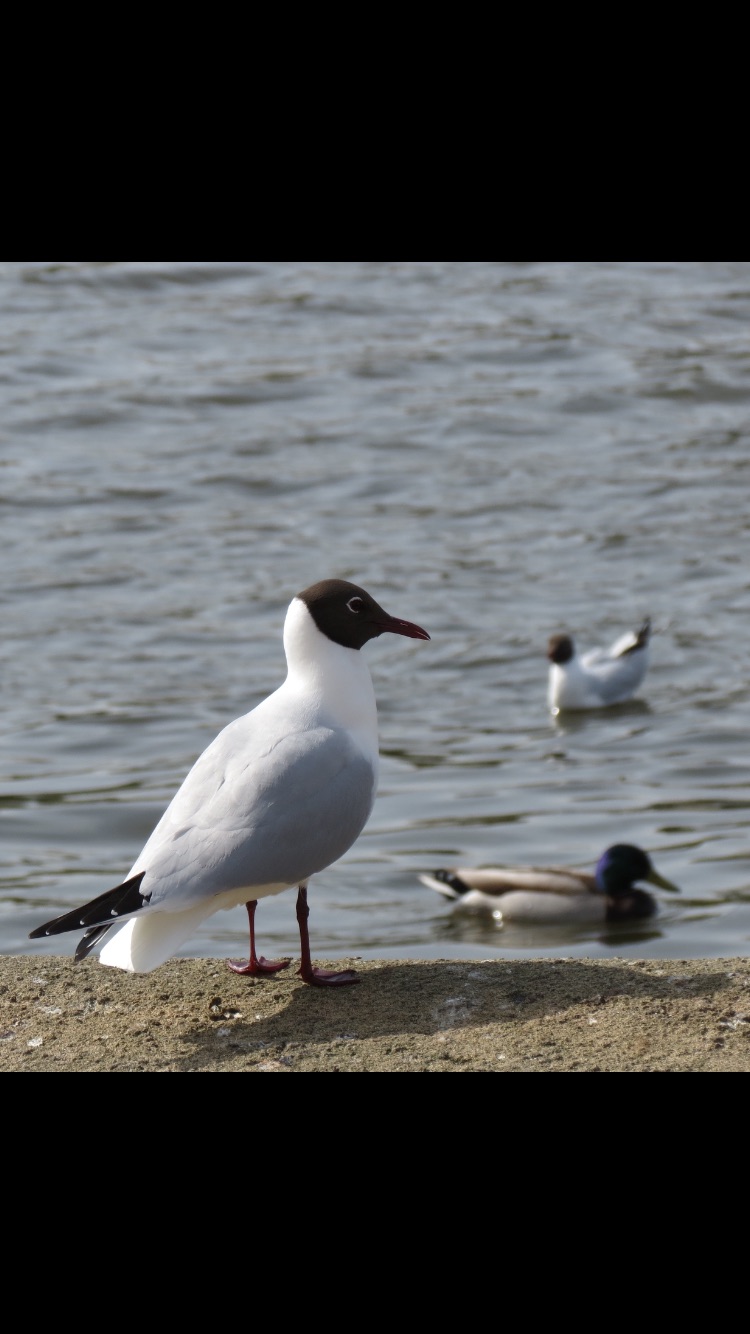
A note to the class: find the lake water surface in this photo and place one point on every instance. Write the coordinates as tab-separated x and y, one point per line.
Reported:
496	450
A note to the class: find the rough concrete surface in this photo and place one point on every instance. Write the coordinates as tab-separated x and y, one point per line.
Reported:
442	1016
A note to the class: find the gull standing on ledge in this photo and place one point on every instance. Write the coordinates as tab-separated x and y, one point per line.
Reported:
278	796
600	677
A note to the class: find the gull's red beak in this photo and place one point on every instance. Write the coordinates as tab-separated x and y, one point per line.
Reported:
396	627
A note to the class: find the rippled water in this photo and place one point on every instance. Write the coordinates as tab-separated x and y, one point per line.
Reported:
497	450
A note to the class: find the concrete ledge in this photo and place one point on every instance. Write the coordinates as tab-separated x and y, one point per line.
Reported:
443	1016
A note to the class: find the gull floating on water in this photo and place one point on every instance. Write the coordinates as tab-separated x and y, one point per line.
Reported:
600	677
279	795
556	893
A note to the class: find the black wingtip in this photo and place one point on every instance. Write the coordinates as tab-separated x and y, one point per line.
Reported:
644	634
88	941
452	882
641	639
102	912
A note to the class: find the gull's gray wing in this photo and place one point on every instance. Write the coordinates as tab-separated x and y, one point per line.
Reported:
251	814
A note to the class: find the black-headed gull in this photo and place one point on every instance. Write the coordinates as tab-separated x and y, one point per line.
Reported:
600	677
556	893
279	795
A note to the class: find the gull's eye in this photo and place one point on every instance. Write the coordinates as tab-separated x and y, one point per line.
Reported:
356	606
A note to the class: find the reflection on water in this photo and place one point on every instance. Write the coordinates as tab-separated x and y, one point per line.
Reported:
570	723
496	449
490	930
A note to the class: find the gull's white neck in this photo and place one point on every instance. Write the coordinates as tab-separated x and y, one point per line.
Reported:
335	681
568	685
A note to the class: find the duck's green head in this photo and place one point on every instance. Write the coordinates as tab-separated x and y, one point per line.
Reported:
622	865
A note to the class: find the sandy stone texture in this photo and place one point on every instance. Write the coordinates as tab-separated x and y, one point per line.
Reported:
443	1016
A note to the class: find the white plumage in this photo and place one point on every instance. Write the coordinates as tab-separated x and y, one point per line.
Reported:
600	677
278	796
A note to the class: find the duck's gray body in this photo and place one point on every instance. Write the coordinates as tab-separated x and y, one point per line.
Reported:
555	893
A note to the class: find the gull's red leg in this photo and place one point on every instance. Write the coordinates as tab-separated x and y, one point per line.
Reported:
256	967
316	977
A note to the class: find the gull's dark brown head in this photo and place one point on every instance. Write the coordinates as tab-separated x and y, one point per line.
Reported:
349	616
560	649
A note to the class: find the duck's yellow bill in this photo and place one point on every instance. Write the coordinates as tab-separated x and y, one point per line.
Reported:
655	879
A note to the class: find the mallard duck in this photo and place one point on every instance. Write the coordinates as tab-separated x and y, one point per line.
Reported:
557	893
600	677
